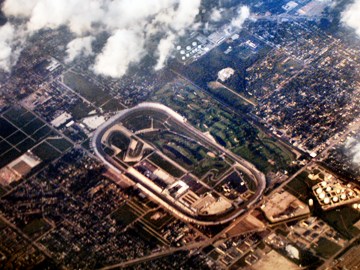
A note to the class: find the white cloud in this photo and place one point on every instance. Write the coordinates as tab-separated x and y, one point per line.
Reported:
130	13
351	16
243	14
164	49
122	49
130	23
356	153
79	46
79	15
11	40
185	14
22	8
353	146
215	15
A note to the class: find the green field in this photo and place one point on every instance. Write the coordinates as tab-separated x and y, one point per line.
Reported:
228	97
9	156
33	126
186	152
326	248
228	129
19	116
46	152
165	165
342	219
124	215
4	146
36	227
139	120
42	133
6	128
86	89
80	110
26	144
112	106
14	112
60	144
119	140
301	187
217	166
16	137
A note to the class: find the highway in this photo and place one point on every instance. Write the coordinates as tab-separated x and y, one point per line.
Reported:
246	166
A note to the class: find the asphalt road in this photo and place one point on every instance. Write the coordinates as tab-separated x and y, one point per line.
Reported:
249	168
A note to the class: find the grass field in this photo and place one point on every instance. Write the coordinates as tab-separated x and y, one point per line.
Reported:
144	233
33	126
16	137
60	144
6	128
326	248
14	112
19	133
165	165
112	106
26	144
124	215
42	133
342	219
4	146
228	129
19	116
119	140
86	89
139	120
46	152
36	227
300	187
9	156
80	110
216	165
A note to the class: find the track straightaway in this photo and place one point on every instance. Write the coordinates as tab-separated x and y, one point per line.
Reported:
246	166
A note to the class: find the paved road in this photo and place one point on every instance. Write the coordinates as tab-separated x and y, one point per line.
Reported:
160	254
246	166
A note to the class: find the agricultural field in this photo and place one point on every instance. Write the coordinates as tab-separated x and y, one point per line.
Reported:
228	129
21	131
165	165
86	89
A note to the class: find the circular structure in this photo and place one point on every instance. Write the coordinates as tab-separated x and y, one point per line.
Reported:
161	195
